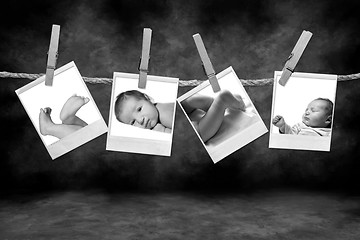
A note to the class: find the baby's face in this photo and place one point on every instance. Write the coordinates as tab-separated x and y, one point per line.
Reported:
316	114
140	113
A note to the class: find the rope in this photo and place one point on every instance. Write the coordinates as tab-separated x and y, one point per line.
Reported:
182	83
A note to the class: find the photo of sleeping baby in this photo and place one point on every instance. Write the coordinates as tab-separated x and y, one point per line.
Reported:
303	111
316	120
225	120
141	120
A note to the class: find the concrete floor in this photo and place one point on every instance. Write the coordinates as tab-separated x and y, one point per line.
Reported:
262	215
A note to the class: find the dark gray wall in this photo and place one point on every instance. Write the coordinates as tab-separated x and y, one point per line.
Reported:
255	37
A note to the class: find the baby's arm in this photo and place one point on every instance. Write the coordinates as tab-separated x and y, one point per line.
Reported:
161	128
166	114
284	128
279	122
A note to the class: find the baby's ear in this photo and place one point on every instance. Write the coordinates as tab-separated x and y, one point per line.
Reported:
152	100
149	98
328	120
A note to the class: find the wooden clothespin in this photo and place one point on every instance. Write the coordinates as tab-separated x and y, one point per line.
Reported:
294	57
52	55
145	57
209	70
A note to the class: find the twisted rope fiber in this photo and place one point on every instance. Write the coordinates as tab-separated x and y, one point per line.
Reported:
182	83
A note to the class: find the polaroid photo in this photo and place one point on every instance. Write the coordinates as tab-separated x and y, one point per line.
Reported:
224	121
65	115
142	120
303	112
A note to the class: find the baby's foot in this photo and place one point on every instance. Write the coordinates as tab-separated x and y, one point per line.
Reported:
45	121
241	104
231	101
71	106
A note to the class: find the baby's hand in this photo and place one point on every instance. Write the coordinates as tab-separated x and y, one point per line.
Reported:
278	121
161	128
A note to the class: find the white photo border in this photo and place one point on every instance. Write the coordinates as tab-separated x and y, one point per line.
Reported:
78	138
130	144
237	141
298	142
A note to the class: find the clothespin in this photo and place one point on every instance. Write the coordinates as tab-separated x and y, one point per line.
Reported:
209	70
145	57
52	55
294	57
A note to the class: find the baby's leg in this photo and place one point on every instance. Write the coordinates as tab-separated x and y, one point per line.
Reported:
75	120
70	108
215	110
197	101
48	127
211	122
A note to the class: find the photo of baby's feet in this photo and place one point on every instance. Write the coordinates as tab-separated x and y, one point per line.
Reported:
72	105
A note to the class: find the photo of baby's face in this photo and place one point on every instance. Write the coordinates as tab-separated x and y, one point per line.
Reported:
139	112
317	114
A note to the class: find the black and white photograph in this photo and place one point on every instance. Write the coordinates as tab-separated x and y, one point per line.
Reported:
303	112
142	120
65	115
224	121
247	161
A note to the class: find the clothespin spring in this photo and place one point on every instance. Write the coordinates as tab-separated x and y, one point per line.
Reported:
144	70
50	66
290	69
291	55
211	75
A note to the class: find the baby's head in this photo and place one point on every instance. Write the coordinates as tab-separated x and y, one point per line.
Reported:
135	108
318	113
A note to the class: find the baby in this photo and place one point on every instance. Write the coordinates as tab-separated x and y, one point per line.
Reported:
316	121
137	109
207	113
70	122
